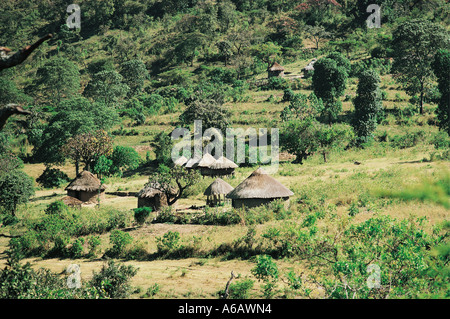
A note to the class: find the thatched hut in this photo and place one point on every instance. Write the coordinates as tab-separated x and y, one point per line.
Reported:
221	167
192	162
86	187
215	191
258	189
152	196
309	69
275	70
181	161
205	162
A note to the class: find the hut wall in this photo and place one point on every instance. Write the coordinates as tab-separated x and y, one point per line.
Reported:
155	202
275	73
86	196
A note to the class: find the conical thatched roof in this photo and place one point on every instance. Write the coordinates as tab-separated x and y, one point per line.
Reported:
181	161
276	67
259	185
206	160
85	182
218	187
223	163
193	162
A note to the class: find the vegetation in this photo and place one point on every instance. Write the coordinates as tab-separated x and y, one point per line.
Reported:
369	126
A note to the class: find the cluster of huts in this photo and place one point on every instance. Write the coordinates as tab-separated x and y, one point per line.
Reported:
257	189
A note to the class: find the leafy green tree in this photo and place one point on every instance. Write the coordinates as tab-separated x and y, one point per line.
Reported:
441	67
414	44
9	93
56	79
267	52
75	116
316	33
163	148
16	188
124	158
107	87
329	82
225	50
368	105
134	74
187	47
87	147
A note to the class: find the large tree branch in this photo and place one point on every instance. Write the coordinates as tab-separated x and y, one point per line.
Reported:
10	110
22	54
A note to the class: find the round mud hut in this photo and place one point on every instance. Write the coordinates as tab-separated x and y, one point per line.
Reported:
206	161
216	192
258	189
151	196
275	70
221	167
86	187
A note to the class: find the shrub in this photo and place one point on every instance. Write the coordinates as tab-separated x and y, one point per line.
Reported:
119	240
240	289
141	214
52	177
113	281
169	242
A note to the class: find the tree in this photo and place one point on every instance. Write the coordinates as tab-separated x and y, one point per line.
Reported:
58	78
225	50
163	149
134	74
186	47
106	87
368	105
331	137
329	82
414	45
267	52
173	182
86	148
316	33
441	67
124	158
75	116
16	188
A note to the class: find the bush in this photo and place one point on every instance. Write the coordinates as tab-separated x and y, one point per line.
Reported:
52	177
169	242
113	281
240	289
119	240
141	214
275	83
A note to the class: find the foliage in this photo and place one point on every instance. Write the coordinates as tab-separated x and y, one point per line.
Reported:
368	105
134	75
413	43
16	188
59	77
113	280
107	87
329	83
141	214
86	148
441	68
240	289
119	240
52	177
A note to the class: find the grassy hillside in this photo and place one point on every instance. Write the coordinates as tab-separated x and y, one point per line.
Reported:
386	203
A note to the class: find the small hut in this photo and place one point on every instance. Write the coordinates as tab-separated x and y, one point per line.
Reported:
309	69
275	70
86	187
206	161
215	191
258	189
192	162
152	196
222	167
181	161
